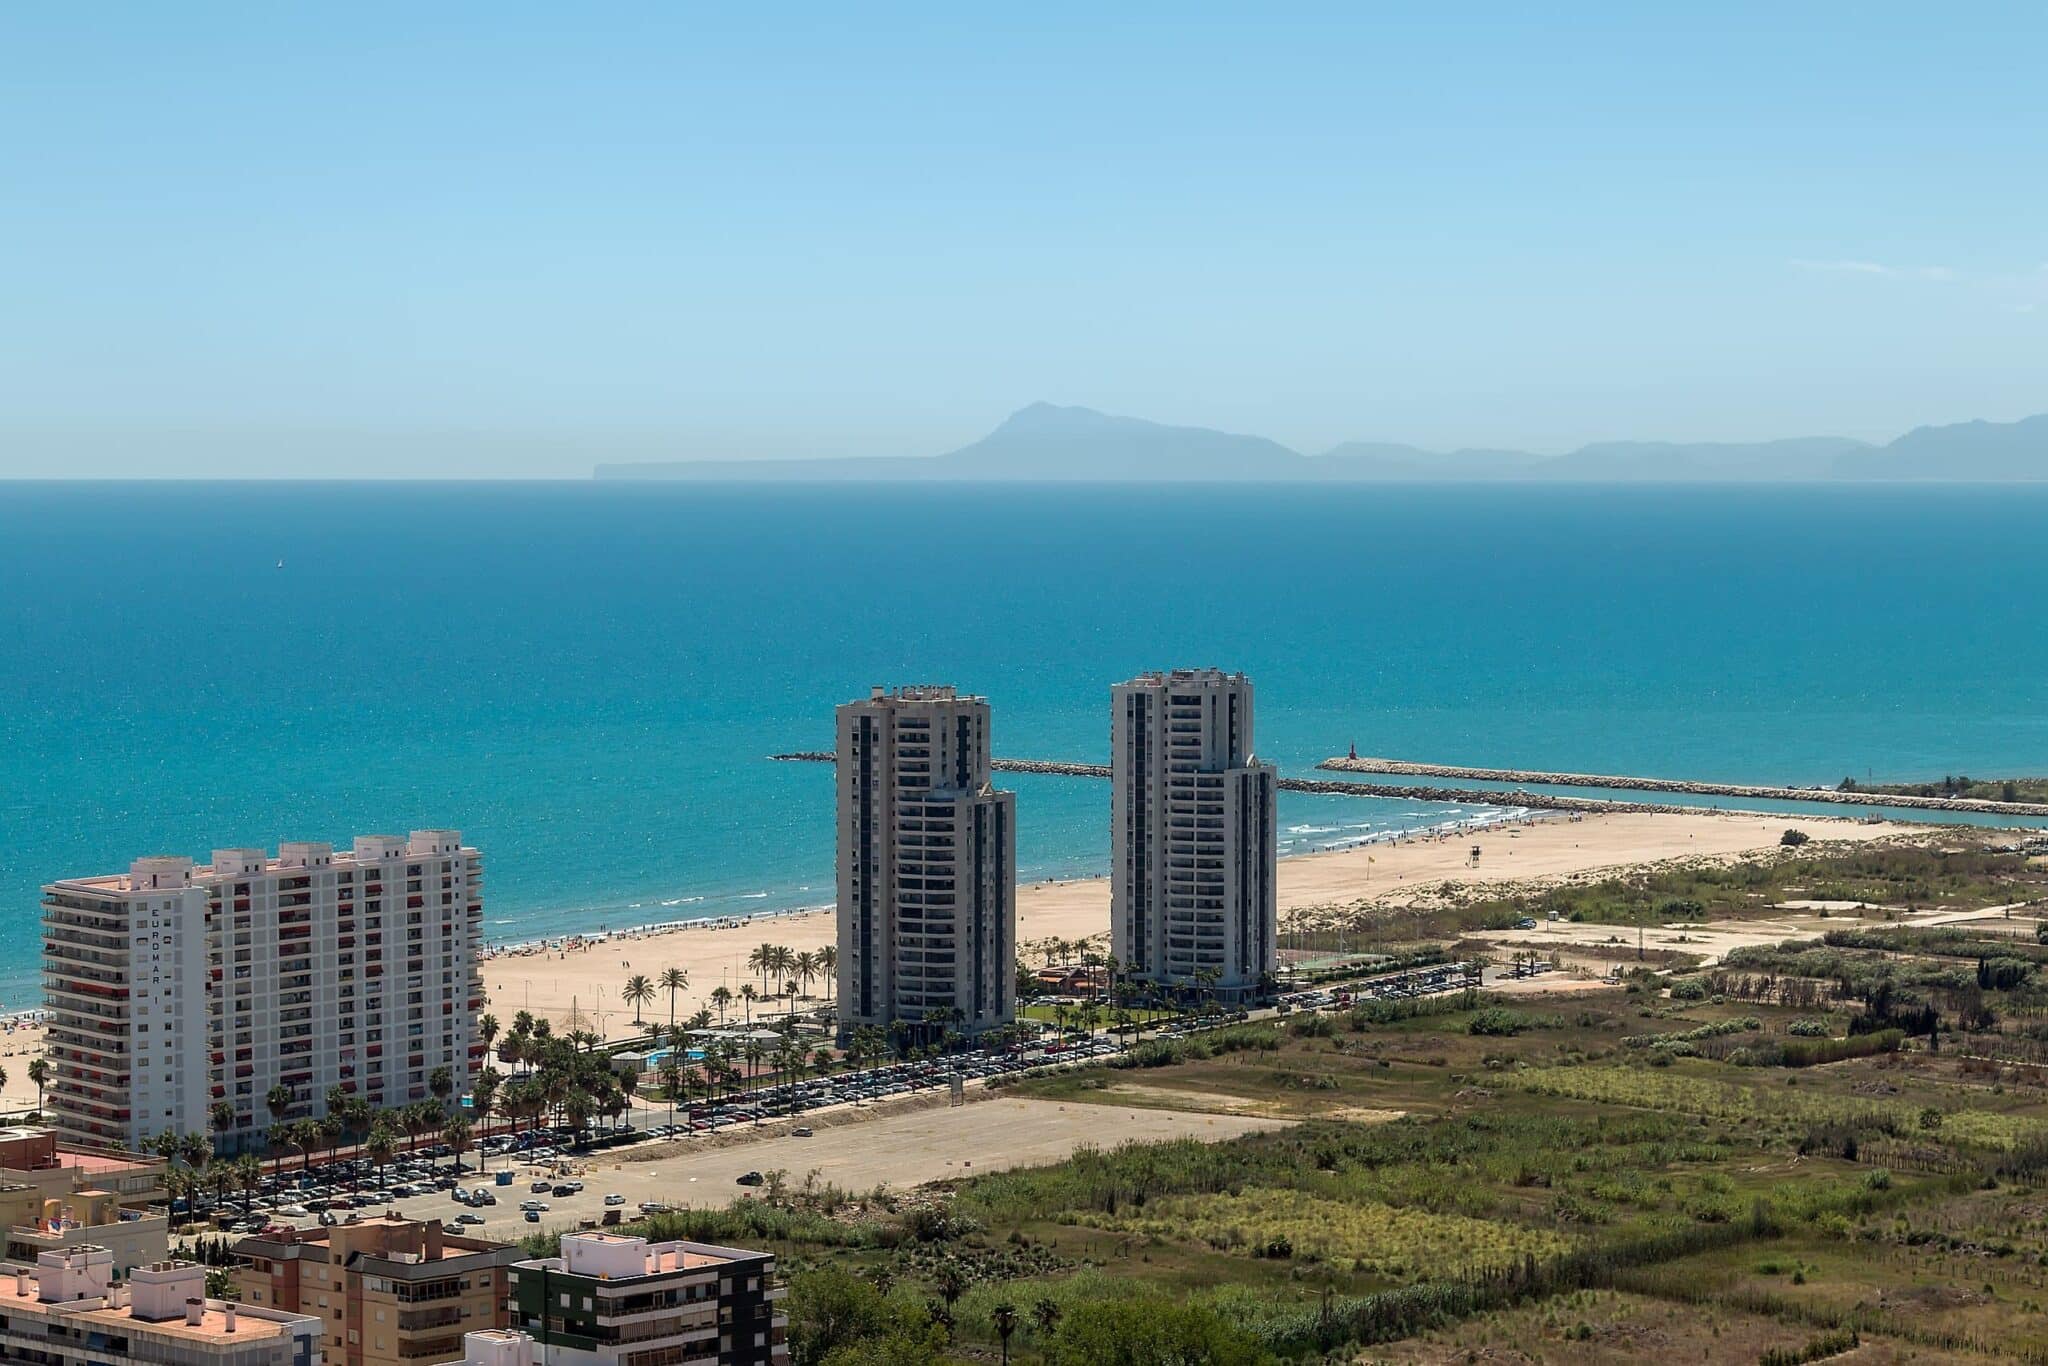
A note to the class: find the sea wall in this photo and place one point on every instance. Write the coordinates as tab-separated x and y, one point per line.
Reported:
1752	791
1457	796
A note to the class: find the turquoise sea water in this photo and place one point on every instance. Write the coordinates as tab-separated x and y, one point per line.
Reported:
586	678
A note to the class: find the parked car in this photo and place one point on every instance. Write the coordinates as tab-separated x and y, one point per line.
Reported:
615	1199
752	1179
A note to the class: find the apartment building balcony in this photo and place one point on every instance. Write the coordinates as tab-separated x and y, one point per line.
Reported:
90	1108
113	1088
68	1045
109	925
112	958
68	988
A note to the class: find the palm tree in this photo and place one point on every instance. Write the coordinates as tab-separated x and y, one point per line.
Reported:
754	1052
806	968
637	992
441	1082
283	1136
747	998
577	1107
671	1081
673	981
429	1115
331	1130
828	968
177	1184
222	1115
762	960
456	1134
39	1073
248	1177
1004	1317
277	1100
487	1030
483	1098
722	998
380	1146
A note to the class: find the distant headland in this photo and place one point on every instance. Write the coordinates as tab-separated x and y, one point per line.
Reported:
1051	444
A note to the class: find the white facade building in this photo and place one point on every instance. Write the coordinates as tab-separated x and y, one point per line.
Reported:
1193	835
927	865
69	1311
178	986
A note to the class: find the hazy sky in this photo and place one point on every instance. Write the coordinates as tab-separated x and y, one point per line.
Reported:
516	239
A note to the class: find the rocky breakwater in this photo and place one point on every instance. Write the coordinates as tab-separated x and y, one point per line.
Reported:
1619	783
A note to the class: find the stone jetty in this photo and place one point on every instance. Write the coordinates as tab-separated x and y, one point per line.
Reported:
1456	796
1749	791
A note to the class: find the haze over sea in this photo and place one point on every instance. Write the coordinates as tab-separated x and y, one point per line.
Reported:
586	678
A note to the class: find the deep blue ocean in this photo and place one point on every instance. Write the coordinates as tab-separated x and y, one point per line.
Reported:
586	678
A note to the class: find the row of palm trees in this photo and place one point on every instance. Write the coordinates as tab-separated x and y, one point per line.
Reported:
200	1162
563	1079
793	971
784	974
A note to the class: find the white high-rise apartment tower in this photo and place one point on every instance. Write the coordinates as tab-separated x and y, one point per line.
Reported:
927	866
1192	835
175	987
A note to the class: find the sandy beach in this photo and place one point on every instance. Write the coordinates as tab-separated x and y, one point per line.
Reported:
580	985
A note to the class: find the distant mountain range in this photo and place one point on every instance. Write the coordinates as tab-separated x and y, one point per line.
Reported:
1051	444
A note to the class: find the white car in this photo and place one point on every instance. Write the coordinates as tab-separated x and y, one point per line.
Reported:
615	1200
533	1206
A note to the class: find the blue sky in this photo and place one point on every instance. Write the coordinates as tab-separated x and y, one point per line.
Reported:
514	239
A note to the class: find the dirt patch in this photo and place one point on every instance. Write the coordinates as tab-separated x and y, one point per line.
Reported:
1552	986
1211	1102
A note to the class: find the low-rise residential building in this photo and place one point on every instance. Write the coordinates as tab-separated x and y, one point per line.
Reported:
389	1290
67	1311
35	1225
53	1196
36	1157
618	1300
498	1347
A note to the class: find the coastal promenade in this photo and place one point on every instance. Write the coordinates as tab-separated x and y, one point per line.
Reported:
1522	797
1751	791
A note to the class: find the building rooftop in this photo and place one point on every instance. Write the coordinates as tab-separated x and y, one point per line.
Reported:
922	692
1159	677
166	872
25	1148
628	1257
212	1325
388	1237
163	1298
